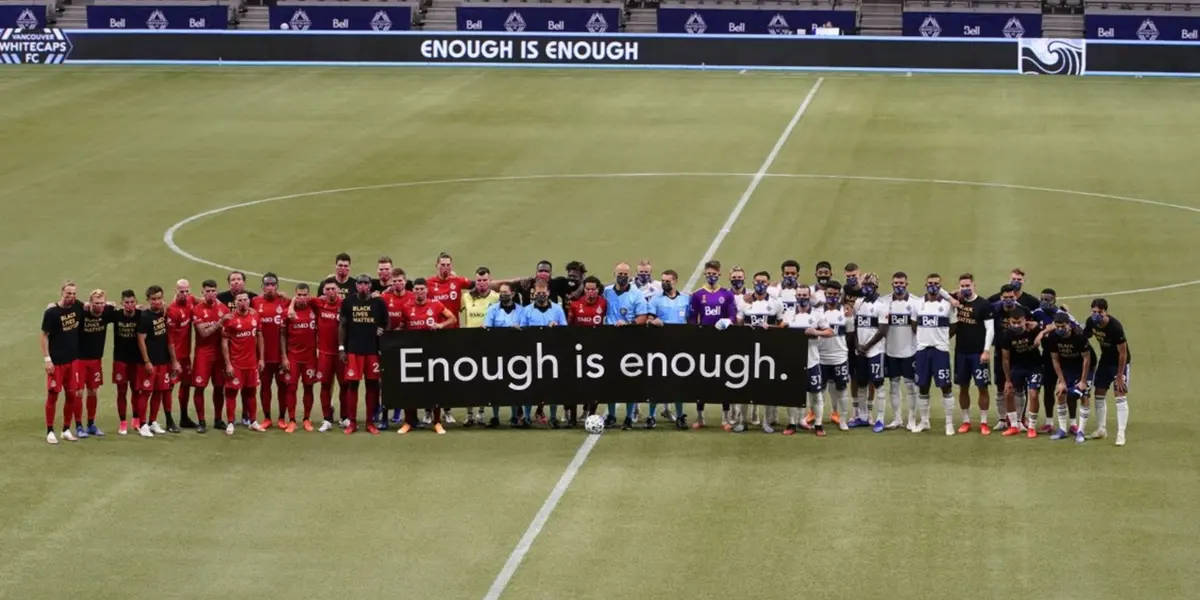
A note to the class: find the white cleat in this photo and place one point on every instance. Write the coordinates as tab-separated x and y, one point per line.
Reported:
326	426
666	414
448	418
254	426
1099	434
346	422
123	431
68	436
1120	438
145	432
949	428
844	426
922	426
912	425
229	429
895	424
50	439
156	429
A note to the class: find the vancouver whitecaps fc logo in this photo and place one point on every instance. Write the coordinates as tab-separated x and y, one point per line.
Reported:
695	24
1013	28
381	22
1147	31
300	20
27	20
778	25
157	20
1052	56
930	28
597	23
514	22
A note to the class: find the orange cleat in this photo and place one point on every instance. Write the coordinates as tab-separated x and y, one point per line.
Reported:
1011	431
810	417
1031	433
405	428
291	428
372	429
265	424
965	427
698	425
438	429
307	425
351	428
984	429
727	426
836	418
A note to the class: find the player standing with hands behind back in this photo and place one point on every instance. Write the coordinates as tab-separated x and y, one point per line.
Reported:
60	350
363	319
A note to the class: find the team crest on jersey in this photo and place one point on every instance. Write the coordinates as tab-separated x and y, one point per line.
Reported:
147	383
236	381
349	372
721	300
119	378
198	380
53	383
429	312
279	310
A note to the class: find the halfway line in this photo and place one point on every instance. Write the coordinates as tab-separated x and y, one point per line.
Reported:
560	488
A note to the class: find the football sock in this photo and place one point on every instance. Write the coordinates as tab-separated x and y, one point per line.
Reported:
122	401
51	404
327	401
264	394
140	400
923	406
554	411
76	400
612	410
249	407
1062	416
197	403
230	404
910	389
527	412
678	410
1101	411
1084	412
856	402
817	402
372	397
1014	419
92	401
1122	414
308	401
793	414
948	406
653	410
155	405
894	397
184	395
218	401
966	414
495	412
1072	404
630	408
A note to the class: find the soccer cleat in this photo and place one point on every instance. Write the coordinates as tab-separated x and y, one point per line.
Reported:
895	424
201	427
397	415
291	428
637	413
492	423
1120	438
572	423
172	428
627	425
80	432
949	428
345	423
984	429
123	429
698	424
438	429
157	429
68	436
1031	433
254	426
325	426
1099	434
1001	423
835	417
739	427
790	429
859	422
405	428
351	428
308	425
246	422
94	431
219	424
145	432
186	422
610	421
667	415
809	418
766	427
555	423
878	427
1058	434
50	439
1011	431
372	429
1080	437
681	422
965	427
921	426
651	422
470	421
449	418
427	419
1047	428
1074	429
819	430
265	424
229	429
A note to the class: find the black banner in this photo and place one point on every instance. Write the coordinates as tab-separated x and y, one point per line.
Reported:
572	365
1145	58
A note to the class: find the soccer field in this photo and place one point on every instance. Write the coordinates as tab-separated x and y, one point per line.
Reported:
122	178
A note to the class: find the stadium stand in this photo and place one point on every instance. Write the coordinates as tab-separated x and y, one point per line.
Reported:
442	14
75	15
1142	7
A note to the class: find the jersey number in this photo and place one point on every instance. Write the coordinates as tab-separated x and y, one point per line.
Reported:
877	370
375	367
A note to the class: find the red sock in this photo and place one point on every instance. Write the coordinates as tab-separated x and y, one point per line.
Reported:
351	404
168	401
76	407
198	403
342	409
155	405
122	400
92	401
248	404
308	401
230	404
289	400
51	407
372	399
327	401
140	400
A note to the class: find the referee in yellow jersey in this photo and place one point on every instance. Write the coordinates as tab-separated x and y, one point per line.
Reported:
474	309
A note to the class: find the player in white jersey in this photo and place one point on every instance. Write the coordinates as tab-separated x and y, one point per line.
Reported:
650	288
898	325
757	309
835	363
813	323
785	290
934	316
868	355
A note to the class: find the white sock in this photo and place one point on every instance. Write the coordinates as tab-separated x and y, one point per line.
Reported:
1022	403
1084	411
739	413
948	405
923	406
793	415
910	389
894	398
844	402
857	402
1122	414
1062	416
817	401
1013	419
966	415
1102	412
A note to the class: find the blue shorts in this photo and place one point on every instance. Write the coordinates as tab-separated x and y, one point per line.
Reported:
838	374
932	367
899	367
1071	379
814	383
968	368
1107	374
868	370
1026	378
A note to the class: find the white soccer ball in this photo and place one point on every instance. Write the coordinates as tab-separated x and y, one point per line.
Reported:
594	424
283	26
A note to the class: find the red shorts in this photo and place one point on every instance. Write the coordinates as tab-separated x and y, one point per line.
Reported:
360	366
65	378
185	372
299	372
91	373
330	366
242	378
124	372
271	372
157	379
206	368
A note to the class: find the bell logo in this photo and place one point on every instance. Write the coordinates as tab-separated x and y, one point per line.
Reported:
27	20
157	20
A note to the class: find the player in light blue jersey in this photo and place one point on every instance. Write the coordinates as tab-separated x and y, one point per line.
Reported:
672	307
504	313
542	313
626	306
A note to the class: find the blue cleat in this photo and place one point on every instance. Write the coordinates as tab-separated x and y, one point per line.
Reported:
80	432
1079	437
878	428
859	422
94	431
1058	434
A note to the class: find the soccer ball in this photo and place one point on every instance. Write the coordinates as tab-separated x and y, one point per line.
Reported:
594	425
283	26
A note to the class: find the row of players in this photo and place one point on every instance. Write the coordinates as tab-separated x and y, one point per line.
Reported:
862	340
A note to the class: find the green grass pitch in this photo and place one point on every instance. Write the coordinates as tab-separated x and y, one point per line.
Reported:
1098	195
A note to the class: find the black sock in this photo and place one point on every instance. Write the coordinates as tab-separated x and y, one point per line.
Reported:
91	422
170	419
49	430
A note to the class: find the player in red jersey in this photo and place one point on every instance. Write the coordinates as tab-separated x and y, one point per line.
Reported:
327	308
242	347
448	289
395	298
207	363
587	311
426	313
179	333
363	319
299	336
60	350
271	307
158	366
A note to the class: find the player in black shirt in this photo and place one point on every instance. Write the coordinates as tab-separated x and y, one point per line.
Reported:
1009	298
60	351
363	318
974	337
97	315
237	285
341	275
1074	363
158	363
1022	360
1113	367
126	355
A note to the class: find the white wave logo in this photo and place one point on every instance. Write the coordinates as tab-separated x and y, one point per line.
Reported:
1052	57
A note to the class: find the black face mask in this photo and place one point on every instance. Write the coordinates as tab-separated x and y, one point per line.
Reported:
668	286
622	280
822	280
506	299
541	297
572	281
